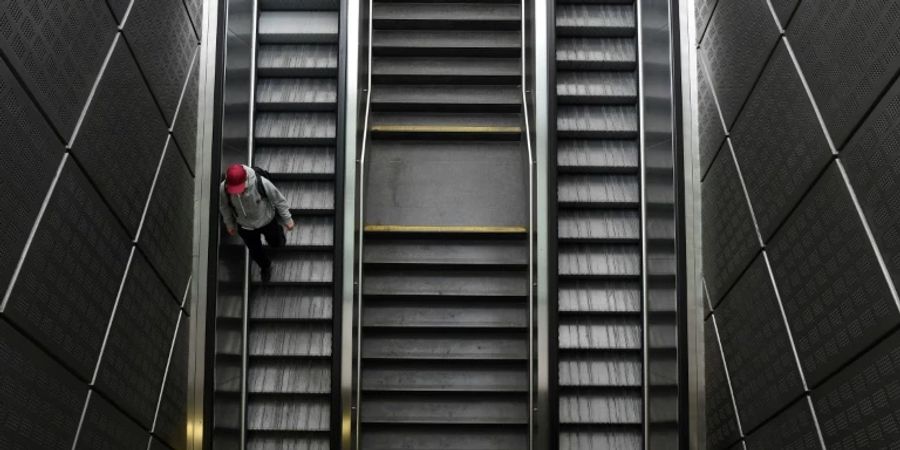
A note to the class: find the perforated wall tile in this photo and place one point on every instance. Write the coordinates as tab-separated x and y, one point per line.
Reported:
755	342
729	238
165	62
873	166
28	169
703	9
712	130
792	429
185	129
740	36
859	408
784	10
119	8
57	48
106	428
195	10
721	422
167	234
778	143
172	416
835	295
122	138
848	52
40	401
134	360
66	289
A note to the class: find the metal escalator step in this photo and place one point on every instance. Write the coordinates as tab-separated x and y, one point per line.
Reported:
619	122
312	233
289	340
601	333
595	20
598	190
472	98
228	339
596	54
272	414
298	267
308	197
263	440
441	312
296	162
597	296
607	370
618	439
477	408
291	303
598	225
449	376
440	282
597	156
298	27
281	128
447	43
600	260
296	94
443	437
596	88
437	70
620	408
431	125
312	60
299	5
438	250
289	377
445	344
452	16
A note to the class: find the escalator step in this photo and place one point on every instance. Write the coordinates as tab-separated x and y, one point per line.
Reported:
291	303
608	370
438	282
278	415
596	296
443	437
452	16
447	98
296	94
629	439
312	60
598	225
621	408
445	344
285	163
308	197
299	5
439	250
597	122
601	333
596	53
289	377
450	376
447	43
282	128
298	267
599	190
436	70
289	340
596	88
476	408
598	156
595	20
442	312
600	260
298	27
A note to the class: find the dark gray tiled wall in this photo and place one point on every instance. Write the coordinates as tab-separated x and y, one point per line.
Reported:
808	181
97	129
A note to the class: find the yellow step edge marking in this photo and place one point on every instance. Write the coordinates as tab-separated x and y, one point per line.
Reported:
443	229
444	129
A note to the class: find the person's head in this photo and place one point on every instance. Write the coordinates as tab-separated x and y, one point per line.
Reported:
235	179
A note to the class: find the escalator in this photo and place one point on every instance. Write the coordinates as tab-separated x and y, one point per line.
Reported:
599	227
290	320
445	255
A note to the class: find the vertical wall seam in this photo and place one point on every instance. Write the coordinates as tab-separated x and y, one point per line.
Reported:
740	174
90	99
787	325
737	414
112	316
162	158
815	417
162	386
87	401
809	94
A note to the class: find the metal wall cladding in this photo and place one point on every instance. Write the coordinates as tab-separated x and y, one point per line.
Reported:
739	39
137	350
784	10
847	51
792	429
721	423
778	143
859	408
106	428
836	298
172	415
757	347
122	138
164	62
167	231
712	130
873	166
729	238
31	155
119	8
40	401
57	48
185	128
72	270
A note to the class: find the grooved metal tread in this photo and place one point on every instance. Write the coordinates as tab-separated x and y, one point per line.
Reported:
431	95
447	69
298	27
431	42
436	15
596	53
297	60
286	163
307	128
595	20
296	94
596	88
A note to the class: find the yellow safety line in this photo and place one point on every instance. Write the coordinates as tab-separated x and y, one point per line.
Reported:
443	229
444	129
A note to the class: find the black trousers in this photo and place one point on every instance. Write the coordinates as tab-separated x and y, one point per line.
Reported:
274	234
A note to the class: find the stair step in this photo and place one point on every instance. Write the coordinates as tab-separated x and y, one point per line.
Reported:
385	436
596	54
290	340
287	163
438	282
296	94
610	191
308	197
437	70
596	88
610	370
307	128
446	98
287	439
503	126
299	5
498	43
582	155
450	344
452	376
598	296
298	27
311	377
312	60
269	414
291	303
443	313
449	16
574	437
602	260
313	268
595	20
601	333
597	122
435	250
476	408
598	225
625	408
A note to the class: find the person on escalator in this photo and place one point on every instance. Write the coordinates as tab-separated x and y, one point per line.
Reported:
253	207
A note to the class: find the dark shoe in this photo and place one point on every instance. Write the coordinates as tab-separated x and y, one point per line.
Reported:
265	273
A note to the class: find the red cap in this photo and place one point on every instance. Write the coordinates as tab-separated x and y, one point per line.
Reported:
235	179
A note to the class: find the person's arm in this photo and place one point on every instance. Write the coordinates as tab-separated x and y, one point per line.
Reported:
227	212
282	209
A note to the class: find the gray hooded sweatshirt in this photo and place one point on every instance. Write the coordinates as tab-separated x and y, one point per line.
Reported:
249	209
